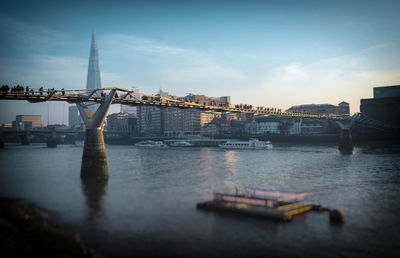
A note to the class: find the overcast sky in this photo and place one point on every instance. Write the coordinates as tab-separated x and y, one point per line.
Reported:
270	53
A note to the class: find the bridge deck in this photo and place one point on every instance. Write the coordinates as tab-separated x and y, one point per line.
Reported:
134	98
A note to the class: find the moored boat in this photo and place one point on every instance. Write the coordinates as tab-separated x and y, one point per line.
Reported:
150	143
269	204
244	204
180	144
251	144
282	196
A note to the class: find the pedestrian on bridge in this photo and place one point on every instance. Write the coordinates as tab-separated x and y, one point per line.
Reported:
19	89
5	89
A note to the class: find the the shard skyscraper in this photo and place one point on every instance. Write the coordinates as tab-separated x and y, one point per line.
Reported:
93	75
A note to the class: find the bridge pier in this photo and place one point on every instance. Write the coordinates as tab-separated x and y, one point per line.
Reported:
51	141
94	160
346	145
24	138
70	139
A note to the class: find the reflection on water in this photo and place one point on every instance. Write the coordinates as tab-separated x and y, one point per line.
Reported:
230	164
94	191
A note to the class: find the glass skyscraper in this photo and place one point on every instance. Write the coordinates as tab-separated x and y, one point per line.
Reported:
93	76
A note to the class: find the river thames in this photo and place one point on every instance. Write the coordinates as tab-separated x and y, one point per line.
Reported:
148	205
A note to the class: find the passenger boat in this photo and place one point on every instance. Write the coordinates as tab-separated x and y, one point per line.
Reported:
252	144
150	143
180	144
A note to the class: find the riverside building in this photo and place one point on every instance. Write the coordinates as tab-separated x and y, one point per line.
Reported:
384	106
343	108
74	117
175	122
149	121
273	125
122	123
27	122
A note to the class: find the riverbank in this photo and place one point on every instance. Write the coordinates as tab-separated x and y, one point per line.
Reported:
26	230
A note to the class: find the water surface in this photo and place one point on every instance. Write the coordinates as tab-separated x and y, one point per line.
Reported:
148	205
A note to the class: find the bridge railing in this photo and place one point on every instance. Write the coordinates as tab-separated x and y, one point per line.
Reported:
136	98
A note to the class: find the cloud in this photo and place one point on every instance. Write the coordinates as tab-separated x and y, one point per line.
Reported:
208	72
46	70
379	78
348	77
294	72
27	57
21	37
180	69
131	45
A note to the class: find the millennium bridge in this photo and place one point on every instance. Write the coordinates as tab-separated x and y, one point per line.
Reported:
135	98
94	162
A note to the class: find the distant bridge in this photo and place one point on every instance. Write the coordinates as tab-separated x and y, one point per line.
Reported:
49	135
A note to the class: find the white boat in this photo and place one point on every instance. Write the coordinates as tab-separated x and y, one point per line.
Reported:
150	143
252	144
180	144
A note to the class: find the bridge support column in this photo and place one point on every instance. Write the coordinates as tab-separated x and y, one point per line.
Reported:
70	139
346	143
94	160
51	141
24	138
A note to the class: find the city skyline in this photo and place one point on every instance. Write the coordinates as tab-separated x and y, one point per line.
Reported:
274	54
